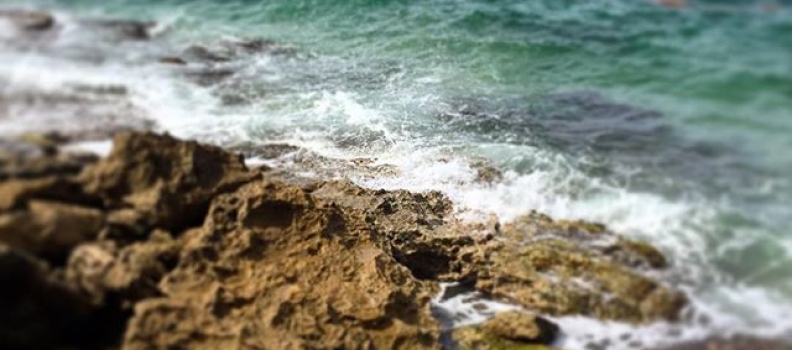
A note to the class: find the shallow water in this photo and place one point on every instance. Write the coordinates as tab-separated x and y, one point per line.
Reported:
669	125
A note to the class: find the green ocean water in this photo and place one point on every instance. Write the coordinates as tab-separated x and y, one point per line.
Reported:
680	120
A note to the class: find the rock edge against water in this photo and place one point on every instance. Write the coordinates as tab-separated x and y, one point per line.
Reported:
172	244
169	243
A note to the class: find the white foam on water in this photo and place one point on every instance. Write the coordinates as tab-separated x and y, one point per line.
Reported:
344	104
7	29
466	309
562	192
588	333
556	188
100	148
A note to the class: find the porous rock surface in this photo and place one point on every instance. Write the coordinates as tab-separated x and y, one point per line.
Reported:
508	330
172	244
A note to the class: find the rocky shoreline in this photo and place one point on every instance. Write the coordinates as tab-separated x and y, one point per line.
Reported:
169	243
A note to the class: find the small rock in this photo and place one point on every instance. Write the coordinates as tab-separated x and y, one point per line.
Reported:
637	253
173	60
29	20
127	29
202	53
509	330
522	327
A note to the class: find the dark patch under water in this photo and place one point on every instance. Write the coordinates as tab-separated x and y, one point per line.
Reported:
608	137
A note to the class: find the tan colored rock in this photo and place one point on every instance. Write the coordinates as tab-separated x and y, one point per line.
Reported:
50	229
131	273
272	269
172	60
87	267
512	330
138	268
417	229
637	253
29	20
522	327
167	180
561	268
16	193
255	259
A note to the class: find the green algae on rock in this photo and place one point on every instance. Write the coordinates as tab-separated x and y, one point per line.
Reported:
513	330
564	268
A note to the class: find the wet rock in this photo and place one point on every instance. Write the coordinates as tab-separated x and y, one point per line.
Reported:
125	29
508	330
203	53
258	46
173	60
415	228
267	259
113	90
522	327
229	50
561	269
485	172
556	267
208	76
271	268
303	161
265	151
167	180
29	20
636	253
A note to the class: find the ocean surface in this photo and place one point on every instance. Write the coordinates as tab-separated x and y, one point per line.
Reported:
672	126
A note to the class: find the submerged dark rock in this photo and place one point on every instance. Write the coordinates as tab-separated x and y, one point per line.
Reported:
172	60
124	29
602	137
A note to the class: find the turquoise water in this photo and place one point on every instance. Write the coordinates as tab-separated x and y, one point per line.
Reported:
673	125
